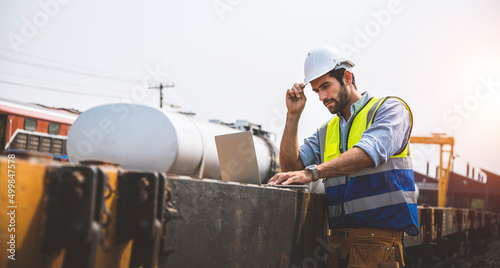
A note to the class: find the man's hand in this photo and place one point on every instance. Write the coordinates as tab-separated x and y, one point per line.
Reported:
295	99
292	177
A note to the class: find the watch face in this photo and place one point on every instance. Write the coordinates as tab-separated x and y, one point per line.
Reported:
314	172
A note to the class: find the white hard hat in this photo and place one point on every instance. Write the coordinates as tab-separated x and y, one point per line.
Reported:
321	60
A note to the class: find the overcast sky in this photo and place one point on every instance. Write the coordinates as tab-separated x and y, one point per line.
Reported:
234	59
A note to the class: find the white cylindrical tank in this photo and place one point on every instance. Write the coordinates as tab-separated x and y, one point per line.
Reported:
147	138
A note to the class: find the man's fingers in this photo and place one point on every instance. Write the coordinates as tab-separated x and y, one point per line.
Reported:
298	89
291	93
298	177
278	178
287	178
271	180
299	86
282	179
289	181
274	179
294	92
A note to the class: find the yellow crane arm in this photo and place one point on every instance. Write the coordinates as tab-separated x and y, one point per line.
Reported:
444	172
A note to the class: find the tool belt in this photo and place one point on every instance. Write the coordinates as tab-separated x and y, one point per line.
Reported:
366	247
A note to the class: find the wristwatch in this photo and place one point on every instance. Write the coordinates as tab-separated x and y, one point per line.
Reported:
314	171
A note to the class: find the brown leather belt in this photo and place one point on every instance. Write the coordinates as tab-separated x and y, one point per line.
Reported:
364	232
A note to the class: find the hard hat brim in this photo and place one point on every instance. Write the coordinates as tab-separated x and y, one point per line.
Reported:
345	64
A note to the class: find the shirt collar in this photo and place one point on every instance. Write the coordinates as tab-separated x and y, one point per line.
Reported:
356	107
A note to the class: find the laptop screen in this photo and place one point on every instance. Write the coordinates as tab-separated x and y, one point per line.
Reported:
237	158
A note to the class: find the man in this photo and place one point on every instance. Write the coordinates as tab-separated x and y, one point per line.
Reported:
363	156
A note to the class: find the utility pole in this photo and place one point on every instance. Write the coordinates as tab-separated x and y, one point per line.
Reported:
160	87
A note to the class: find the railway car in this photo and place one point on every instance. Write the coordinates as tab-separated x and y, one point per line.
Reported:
97	214
35	128
147	193
449	233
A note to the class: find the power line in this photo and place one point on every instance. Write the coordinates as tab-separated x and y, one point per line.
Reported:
188	98
172	105
69	64
69	71
56	90
65	83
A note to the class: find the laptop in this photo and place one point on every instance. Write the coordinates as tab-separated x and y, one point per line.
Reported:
238	161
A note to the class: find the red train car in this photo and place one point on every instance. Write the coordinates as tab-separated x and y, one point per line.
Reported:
35	128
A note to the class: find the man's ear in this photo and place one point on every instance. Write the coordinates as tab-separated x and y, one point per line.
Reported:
347	77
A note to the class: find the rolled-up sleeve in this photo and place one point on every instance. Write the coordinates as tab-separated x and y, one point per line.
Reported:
309	152
389	132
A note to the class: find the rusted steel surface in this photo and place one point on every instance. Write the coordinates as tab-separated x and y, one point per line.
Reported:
104	216
218	224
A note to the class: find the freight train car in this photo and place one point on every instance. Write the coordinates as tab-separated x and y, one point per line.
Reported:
137	193
447	233
101	215
97	214
35	128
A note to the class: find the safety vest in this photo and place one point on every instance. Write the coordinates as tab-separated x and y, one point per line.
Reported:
380	197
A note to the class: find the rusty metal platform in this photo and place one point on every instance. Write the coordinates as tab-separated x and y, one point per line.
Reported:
99	215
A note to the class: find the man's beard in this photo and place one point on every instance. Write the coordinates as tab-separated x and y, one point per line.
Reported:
339	104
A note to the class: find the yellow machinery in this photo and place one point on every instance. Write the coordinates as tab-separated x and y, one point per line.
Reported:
96	214
446	144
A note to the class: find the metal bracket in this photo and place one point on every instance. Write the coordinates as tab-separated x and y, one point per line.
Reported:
459	214
139	214
169	213
426	221
488	219
74	213
472	215
438	221
480	217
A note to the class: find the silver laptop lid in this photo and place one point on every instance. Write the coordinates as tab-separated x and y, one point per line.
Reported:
237	158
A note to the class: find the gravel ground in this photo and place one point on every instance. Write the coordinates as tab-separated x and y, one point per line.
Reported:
488	259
